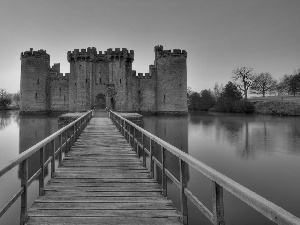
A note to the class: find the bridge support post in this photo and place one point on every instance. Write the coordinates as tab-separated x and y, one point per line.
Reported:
183	185
218	205
163	174
24	185
42	175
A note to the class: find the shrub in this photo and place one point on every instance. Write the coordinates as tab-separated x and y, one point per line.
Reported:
243	106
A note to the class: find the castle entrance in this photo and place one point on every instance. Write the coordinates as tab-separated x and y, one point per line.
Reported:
100	101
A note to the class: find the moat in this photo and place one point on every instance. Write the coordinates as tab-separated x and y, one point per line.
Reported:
259	152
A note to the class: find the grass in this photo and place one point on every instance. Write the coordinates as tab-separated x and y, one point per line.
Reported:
285	98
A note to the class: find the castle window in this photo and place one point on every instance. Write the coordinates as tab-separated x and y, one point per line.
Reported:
59	91
139	92
164	97
36	95
86	80
75	84
38	81
120	81
100	81
64	98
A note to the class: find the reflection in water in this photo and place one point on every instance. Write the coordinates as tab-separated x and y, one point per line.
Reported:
33	129
173	130
256	151
17	134
7	117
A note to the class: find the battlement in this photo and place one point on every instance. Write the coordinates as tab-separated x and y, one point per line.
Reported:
38	54
59	76
55	67
140	75
160	52
91	54
118	53
83	54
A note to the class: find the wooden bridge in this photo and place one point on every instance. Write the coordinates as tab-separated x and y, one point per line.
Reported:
101	180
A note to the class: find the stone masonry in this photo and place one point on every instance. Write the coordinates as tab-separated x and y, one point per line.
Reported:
105	79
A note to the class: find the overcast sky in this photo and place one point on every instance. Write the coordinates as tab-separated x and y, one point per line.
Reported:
218	35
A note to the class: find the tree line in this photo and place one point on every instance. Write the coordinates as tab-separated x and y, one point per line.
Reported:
229	98
9	99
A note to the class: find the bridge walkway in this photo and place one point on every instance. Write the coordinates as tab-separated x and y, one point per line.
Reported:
102	181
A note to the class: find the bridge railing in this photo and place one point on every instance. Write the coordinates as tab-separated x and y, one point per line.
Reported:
66	137
219	181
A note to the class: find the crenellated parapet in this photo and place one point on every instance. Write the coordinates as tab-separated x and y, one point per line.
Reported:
160	52
37	54
90	54
120	54
84	54
141	75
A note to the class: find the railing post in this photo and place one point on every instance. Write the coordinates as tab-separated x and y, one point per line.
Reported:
53	159
163	174
183	185
218	205
42	175
129	133
151	149
60	150
24	185
137	142
134	138
74	137
124	129
143	150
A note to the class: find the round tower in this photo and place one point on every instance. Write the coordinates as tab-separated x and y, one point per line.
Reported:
171	96
34	87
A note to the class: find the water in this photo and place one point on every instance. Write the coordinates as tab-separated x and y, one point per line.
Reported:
17	134
260	152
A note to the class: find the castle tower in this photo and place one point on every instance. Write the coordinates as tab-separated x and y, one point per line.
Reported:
119	78
171	80
34	88
80	79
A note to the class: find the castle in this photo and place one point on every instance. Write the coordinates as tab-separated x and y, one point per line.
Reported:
102	80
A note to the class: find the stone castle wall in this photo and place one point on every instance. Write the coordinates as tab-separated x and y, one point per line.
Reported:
34	87
107	79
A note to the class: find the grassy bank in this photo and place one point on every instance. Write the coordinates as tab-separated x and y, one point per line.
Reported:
277	105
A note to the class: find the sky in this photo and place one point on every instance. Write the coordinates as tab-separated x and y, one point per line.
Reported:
218	35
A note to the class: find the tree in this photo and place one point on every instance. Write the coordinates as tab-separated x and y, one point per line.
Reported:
16	98
218	89
194	101
243	78
291	83
5	99
207	100
263	83
228	97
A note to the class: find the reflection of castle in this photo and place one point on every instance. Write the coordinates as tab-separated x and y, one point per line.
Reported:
104	79
31	131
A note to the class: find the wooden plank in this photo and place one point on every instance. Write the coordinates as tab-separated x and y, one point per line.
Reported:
105	213
102	181
102	220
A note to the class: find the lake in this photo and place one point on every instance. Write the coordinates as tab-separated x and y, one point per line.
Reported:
260	152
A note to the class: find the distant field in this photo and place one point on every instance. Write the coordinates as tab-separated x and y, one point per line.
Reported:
286	98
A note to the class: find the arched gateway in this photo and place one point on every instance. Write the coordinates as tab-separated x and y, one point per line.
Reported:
100	101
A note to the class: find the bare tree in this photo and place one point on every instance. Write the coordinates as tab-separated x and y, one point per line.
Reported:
263	83
243	77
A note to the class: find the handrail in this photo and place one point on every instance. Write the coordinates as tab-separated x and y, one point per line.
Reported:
71	133
220	181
